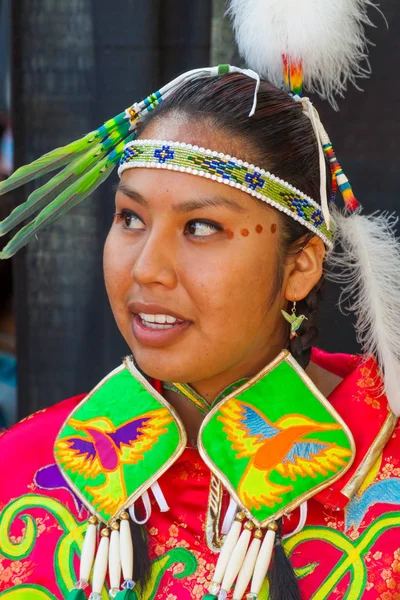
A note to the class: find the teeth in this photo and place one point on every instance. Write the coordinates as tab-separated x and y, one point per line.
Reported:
148	318
157	325
158	319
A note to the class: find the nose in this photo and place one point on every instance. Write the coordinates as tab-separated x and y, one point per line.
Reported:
156	261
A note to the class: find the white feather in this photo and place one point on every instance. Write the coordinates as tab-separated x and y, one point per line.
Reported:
328	36
368	267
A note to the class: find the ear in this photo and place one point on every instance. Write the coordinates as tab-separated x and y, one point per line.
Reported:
306	270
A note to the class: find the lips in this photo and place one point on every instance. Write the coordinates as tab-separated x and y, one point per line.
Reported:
154	309
157	337
149	333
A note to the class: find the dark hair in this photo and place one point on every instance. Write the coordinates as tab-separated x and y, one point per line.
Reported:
278	138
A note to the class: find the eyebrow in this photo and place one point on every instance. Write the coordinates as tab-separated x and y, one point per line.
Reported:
188	205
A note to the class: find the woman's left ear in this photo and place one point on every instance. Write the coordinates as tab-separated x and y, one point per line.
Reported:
305	272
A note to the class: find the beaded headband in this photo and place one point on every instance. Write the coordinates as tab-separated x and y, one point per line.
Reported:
188	158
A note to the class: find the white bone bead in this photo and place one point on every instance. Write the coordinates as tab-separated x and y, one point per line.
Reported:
262	562
247	569
100	565
236	560
114	560
126	549
88	552
226	550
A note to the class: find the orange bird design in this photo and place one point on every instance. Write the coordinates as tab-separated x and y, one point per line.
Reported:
278	447
104	448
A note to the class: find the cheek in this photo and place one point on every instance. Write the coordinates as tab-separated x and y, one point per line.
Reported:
117	270
231	289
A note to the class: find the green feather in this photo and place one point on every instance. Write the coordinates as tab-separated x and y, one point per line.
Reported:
69	198
77	181
48	192
45	164
61	156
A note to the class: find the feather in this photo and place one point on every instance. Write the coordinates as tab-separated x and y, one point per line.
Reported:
83	174
326	36
69	198
41	197
60	156
45	164
46	193
368	267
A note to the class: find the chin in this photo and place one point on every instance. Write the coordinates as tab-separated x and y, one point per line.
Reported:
159	364
167	365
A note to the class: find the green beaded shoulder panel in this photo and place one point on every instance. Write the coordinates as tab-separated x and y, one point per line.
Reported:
118	442
276	441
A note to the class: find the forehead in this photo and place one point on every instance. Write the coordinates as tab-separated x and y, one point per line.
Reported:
175	127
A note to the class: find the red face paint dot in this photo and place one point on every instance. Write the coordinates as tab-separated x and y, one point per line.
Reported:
259	228
273	228
229	234
244	232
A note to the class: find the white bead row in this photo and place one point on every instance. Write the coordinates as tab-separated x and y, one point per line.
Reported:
227	157
190	170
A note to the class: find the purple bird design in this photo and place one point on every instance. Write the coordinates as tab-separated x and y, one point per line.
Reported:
50	478
98	447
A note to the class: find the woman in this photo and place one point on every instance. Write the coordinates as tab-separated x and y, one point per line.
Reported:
197	275
190	470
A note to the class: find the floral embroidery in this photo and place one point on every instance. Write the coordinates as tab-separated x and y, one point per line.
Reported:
359	558
16	572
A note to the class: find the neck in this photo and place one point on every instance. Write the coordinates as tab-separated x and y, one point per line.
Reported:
210	388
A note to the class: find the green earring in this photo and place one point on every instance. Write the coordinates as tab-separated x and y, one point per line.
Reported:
294	320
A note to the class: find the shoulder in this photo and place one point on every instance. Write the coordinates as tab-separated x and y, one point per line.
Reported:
28	446
42	425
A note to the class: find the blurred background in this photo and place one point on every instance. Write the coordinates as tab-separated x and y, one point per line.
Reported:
65	67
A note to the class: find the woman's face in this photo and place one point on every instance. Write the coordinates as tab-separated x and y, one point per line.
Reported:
190	270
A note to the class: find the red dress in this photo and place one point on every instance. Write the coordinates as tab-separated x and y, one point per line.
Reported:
347	548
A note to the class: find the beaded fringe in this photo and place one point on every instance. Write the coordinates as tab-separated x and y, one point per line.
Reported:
114	557
244	559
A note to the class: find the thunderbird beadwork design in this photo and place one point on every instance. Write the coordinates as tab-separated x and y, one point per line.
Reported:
282	446
273	445
111	456
105	449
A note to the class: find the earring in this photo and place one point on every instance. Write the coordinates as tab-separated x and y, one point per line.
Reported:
294	320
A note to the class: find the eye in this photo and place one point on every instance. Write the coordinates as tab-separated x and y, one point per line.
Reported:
202	228
130	219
